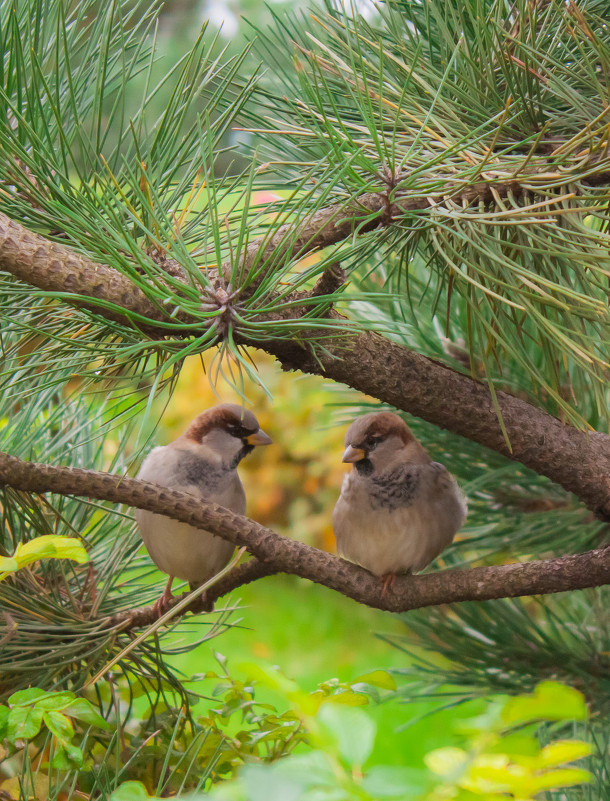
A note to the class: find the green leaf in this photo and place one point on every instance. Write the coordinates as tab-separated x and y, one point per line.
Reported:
376	678
130	791
8	565
516	745
59	725
38	548
352	730
67	757
564	777
24	723
447	762
562	751
50	546
549	701
348	699
81	709
495	771
4	713
74	754
55	700
22	697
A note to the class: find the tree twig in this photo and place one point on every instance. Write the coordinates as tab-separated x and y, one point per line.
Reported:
280	554
246	573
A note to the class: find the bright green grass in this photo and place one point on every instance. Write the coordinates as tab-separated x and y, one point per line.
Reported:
313	634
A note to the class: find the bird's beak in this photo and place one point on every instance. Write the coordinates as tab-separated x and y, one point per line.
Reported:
259	438
353	454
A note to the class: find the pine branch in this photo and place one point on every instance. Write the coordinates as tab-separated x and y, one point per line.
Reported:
578	461
48	265
56	268
280	554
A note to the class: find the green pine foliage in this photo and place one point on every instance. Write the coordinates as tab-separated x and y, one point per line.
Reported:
441	102
430	99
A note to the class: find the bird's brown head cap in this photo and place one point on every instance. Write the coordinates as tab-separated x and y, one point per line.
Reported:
233	419
368	431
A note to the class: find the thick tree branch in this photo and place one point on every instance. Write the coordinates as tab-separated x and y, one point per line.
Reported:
56	268
578	461
279	554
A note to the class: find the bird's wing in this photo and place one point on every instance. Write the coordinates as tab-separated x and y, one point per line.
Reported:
444	488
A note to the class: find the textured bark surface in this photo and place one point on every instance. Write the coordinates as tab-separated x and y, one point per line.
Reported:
56	268
279	554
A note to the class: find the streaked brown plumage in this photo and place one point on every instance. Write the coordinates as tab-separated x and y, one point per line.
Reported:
202	462
397	509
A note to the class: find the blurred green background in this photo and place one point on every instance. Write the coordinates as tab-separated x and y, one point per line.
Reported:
313	634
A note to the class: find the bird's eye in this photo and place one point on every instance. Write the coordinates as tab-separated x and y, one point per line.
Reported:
373	442
237	430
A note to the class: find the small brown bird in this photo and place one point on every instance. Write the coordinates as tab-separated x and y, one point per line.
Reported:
202	462
397	509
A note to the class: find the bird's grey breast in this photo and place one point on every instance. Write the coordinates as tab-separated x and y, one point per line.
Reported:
194	470
394	488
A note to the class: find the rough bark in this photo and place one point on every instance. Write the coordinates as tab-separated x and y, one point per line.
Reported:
280	554
56	268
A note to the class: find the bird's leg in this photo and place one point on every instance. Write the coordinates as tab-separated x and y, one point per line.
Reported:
160	607
388	580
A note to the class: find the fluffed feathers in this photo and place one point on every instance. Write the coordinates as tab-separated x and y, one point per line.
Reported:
397	509
202	462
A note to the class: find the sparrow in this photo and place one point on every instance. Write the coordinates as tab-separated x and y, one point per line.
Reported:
203	462
397	509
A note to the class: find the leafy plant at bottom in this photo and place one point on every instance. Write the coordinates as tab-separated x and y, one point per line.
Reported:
142	750
29	710
264	734
244	732
502	757
505	757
